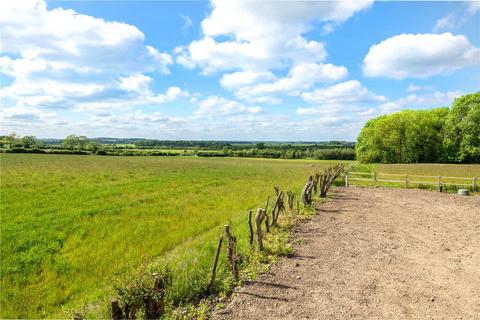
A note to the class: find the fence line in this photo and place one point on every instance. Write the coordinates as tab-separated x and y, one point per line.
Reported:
470	182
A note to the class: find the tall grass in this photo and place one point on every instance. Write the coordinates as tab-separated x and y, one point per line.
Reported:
72	224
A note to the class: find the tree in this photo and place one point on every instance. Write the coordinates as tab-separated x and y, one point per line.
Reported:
260	145
82	142
71	141
462	130
404	137
12	139
436	135
29	141
93	146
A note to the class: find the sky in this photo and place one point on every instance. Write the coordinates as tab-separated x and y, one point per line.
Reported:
229	70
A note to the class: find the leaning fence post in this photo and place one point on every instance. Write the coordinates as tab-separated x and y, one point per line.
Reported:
374	179
215	263
406	181
346	180
474	184
250	235
116	310
439	186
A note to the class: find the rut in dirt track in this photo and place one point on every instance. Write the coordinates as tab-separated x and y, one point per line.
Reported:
375	254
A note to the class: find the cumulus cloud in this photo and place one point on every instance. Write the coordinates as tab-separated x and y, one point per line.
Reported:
343	107
262	35
419	55
427	100
121	100
262	86
414	88
61	59
214	106
60	37
342	93
245	78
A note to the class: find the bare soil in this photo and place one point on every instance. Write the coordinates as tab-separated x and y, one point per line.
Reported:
375	254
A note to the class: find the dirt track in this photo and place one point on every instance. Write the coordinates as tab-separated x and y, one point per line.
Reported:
375	254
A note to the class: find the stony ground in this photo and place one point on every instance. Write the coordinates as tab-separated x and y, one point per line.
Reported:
375	254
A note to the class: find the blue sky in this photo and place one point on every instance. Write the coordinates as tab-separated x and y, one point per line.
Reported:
229	70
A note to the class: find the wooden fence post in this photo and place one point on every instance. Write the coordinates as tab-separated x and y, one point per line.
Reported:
346	180
439	186
474	184
374	179
78	316
155	304
267	222
117	313
406	181
215	263
258	222
231	252
250	235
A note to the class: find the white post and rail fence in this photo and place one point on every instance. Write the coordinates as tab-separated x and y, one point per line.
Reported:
376	179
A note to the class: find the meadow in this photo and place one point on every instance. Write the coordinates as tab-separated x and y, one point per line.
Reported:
72	225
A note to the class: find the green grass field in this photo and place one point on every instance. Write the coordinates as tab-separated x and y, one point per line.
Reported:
70	224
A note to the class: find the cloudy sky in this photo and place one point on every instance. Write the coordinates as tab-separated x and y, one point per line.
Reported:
229	70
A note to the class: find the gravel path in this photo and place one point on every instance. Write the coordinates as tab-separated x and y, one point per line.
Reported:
375	254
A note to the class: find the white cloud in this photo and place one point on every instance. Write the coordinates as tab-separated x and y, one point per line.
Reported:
128	100
415	88
343	107
473	7
56	36
419	55
262	35
135	82
415	101
434	99
445	23
260	86
215	106
347	118
61	59
456	19
187	22
349	92
244	78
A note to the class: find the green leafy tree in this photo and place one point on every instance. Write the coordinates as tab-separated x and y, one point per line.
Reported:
71	141
403	137
260	145
29	141
462	130
82	142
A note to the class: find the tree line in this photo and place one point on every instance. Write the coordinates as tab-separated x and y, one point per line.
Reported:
74	144
440	135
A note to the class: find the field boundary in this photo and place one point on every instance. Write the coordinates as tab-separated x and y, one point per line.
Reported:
376	179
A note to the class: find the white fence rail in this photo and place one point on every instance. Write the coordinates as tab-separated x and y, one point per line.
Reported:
411	180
